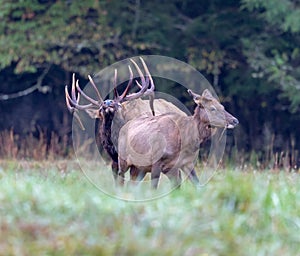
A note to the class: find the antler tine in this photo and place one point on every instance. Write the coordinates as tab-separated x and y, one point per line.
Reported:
78	97
70	108
128	85
152	87
93	102
116	94
143	87
150	91
139	71
79	121
73	104
139	85
73	91
95	87
136	95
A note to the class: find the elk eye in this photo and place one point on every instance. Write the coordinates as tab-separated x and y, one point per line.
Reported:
213	108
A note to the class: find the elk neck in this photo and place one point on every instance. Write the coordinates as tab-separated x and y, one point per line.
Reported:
105	134
107	121
203	125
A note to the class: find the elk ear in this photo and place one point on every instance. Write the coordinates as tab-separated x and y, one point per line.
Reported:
198	99
207	94
194	95
93	113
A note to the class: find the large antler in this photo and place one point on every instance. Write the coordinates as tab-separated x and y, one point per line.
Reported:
144	90
121	98
149	91
73	101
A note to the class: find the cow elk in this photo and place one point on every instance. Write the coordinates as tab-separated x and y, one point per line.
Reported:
169	142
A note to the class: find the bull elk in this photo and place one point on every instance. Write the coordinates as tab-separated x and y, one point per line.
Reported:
169	142
111	115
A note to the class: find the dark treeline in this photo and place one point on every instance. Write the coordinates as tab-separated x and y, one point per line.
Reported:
249	50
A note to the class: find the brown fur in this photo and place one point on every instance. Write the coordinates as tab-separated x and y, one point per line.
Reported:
170	141
112	119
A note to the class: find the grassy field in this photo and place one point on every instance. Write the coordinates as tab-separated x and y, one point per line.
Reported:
52	209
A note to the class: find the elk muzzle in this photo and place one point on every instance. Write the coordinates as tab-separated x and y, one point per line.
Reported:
231	121
110	106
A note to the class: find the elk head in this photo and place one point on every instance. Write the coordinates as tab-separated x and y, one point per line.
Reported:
216	115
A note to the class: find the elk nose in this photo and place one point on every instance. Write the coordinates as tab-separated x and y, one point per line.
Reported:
108	103
235	121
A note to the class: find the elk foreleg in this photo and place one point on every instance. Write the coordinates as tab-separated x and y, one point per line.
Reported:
123	168
115	168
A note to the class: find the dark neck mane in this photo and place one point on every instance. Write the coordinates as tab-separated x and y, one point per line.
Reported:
105	135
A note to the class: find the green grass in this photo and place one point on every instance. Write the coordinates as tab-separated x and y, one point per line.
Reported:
51	209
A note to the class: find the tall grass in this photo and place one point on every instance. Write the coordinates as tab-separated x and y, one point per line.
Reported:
37	146
49	208
49	145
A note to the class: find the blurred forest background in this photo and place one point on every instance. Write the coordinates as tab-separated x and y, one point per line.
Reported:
249	50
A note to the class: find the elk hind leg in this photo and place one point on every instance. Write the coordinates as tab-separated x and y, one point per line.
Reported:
174	176
191	174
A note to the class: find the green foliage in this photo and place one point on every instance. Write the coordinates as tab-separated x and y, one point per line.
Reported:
283	14
273	53
49	212
71	34
79	35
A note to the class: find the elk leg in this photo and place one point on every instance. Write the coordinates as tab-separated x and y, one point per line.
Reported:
175	177
141	175
114	167
136	174
123	167
190	172
155	174
193	177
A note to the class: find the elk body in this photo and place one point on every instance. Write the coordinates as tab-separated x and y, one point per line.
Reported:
169	142
111	122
